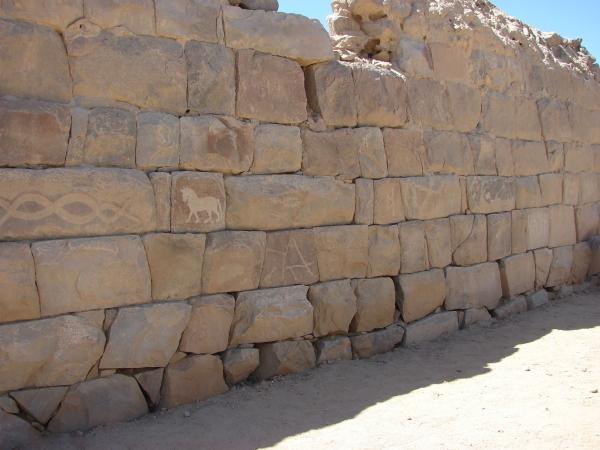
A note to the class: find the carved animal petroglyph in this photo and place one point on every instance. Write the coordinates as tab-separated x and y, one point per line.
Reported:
209	205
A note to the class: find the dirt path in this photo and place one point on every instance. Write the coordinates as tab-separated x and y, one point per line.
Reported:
525	382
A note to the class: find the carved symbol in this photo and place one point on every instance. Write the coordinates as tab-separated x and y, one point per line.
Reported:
106	212
291	250
209	205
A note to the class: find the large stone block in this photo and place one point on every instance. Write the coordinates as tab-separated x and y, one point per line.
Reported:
371	152
33	133
529	194
473	287
562	226
284	358
333	348
487	195
40	403
558	84
333	153
19	299
120	66
151	381
431	197
589	186
56	14
451	63
430	328
465	105
586	221
277	149
543	260
87	274
530	158
388	207
473	316
499	114
334	307
578	158
429	103
511	307
207	331
582	261
406	153
270	88
571	188
239	363
233	261
192	379
505	163
484	154
271	315
136	15
384	252
584	124
381	341
365	198
517	274
413	247
555	120
289	35
34	62
111	138
594	244
196	19
560	270
161	185
157	141
375	304
420	294
50	352
449	153
279	202
551	187
556	155
145	336
527	120
439	243
538	227
499	237
537	299
469	239
519	232
342	252
290	258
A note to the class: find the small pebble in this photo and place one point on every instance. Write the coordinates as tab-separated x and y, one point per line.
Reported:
595	391
186	414
79	433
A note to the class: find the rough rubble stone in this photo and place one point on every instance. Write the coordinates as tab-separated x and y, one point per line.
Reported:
473	316
161	185
239	363
381	341
334	307
405	151
514	306
85	274
537	299
430	328
371	152
19	299
40	403
136	15
333	153
465	105
14	430
375	303
555	120
473	287
283	358
413	247
388	207
586	221
562	263
439	243
519	232
448	153
420	294
530	158
484	154
333	348
487	195
342	252
543	261
157	141
517	274
111	138
538	227
365	197
431	197
384	252
429	103
469	239
562	226
582	260
277	149
151	381
196	19
207	331
499	236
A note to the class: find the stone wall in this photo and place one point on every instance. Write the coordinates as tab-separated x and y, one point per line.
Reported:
194	194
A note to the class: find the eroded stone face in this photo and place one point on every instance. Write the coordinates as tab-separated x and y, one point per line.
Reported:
40	403
429	103
465	105
473	287
19	299
517	274
582	260
284	358
381	341
431	197
430	328
487	195
413	247
449	153
530	158
333	153
387	202
484	154
56	14
499	229
161	184
555	120
207	331
239	363
439	243
469	239
375	304
111	138
562	226
560	270
196	19
277	149
157	141
136	15
543	260
384	252
342	252
334	307
405	151
537	228
420	294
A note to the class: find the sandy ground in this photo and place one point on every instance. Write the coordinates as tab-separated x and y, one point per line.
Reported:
524	383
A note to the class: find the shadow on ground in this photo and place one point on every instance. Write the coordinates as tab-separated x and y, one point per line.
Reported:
257	417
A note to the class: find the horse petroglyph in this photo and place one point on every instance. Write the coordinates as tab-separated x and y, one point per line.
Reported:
208	205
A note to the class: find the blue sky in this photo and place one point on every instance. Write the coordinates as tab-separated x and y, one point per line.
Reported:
570	18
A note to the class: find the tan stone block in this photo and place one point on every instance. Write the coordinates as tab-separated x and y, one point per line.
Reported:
578	158
530	158
384	252
582	261
415	58
589	188
79	126
127	68
56	14
86	274
560	271
594	244
586	221
364	202
136	15
439	244
284	358
555	120
527	120
330	92
571	188
333	348
382	341
562	226
277	149
586	91
469	239
290	258
517	274
157	141
449	153
450	63
40	404
519	232
279	202
111	138
151	381
429	103
207	331
431	197
375	303
538	227
556	155
380	96
239	363
387	205
551	186
511	307
484	154
490	69
504	159
430	328
371	152
34	62
473	287
490	194
584	124
596	150
19	299
413	247
464	204
49	352
333	153
543	261
498	110
529	194
192	379
161	184
499	236
342	252
405	151
270	88
465	105
473	316
233	261
420	294
334	307
558	84
196	19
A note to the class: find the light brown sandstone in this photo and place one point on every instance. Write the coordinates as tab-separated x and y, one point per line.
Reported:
283	358
543	260
530	158
431	197
519	232
342	252
589	187
384	251
571	188
56	14
136	15
161	185
332	153
473	316
333	348
415	58
420	294
14	430
239	363
207	331
448	153
473	287
538	227
586	92
449	62
375	303
388	207
334	307
551	187
277	149
555	120
578	158
594	244
7	404
196	19
499	236
79	126
40	403
381	341
529	194
469	239
365	198
562	263
582	260
584	124
151	381
527	120
487	195
504	158
371	152
513	306
429	103
465	105
556	155
517	274
430	328
484	154
19	299
157	141
498	114
562	226
586	221
558	84
413	247
406	153
439	243
111	138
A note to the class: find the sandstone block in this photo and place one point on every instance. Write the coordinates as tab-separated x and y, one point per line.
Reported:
87	274
538	227
586	221
529	194
431	197
333	153
333	348
469	239
342	252
420	294
578	158
430	328
365	198
19	299
413	247
582	260
415	58
34	62
499	237
192	379
196	19
519	232
136	15
375	303
551	187
8	405
405	151
517	274
270	88
381	341
589	183
277	149
371	152
504	158
388	207
527	120
530	158
207	331
279	202
487	195
584	124
555	120
157	141
484	154
239	363
543	261
473	287
14	431
334	307
384	252
473	316
451	63
111	138
558	84
556	155
56	14
439	243
233	261
514	306
562	226
40	403
560	271
449	153
498	110
594	244
283	358
151	381
271	315
537	299
49	352
161	185
465	106
429	103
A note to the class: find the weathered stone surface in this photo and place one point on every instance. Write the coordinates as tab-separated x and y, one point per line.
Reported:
514	306
56	14
375	303
270	88
538	227
117	65
330	91
79	126
586	221
365	198
33	133
14	431
415	58
560	271
192	379
420	294
487	195
380	97
157	141
333	153
388	207
499	236
450	63
529	194
196	19
543	261
562	226
582	260
371	152
484	154
527	120
498	114
473	287
279	202
289	35
556	155
175	264
530	158
145	336
431	197
197	202
448	153
578	158
342	252
469	239
537	299
334	307
333	348
439	244
136	15
34	62
558	84
49	352
277	149
239	363
571	188
271	315
151	381
85	274
519	232
405	151
283	358
465	105
382	341
594	244
429	103
584	124
413	247
19	299
207	331
517	274
555	120
8	405
589	187
384	252
473	316
551	187
233	261
161	184
40	403
111	138
504	160
430	328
